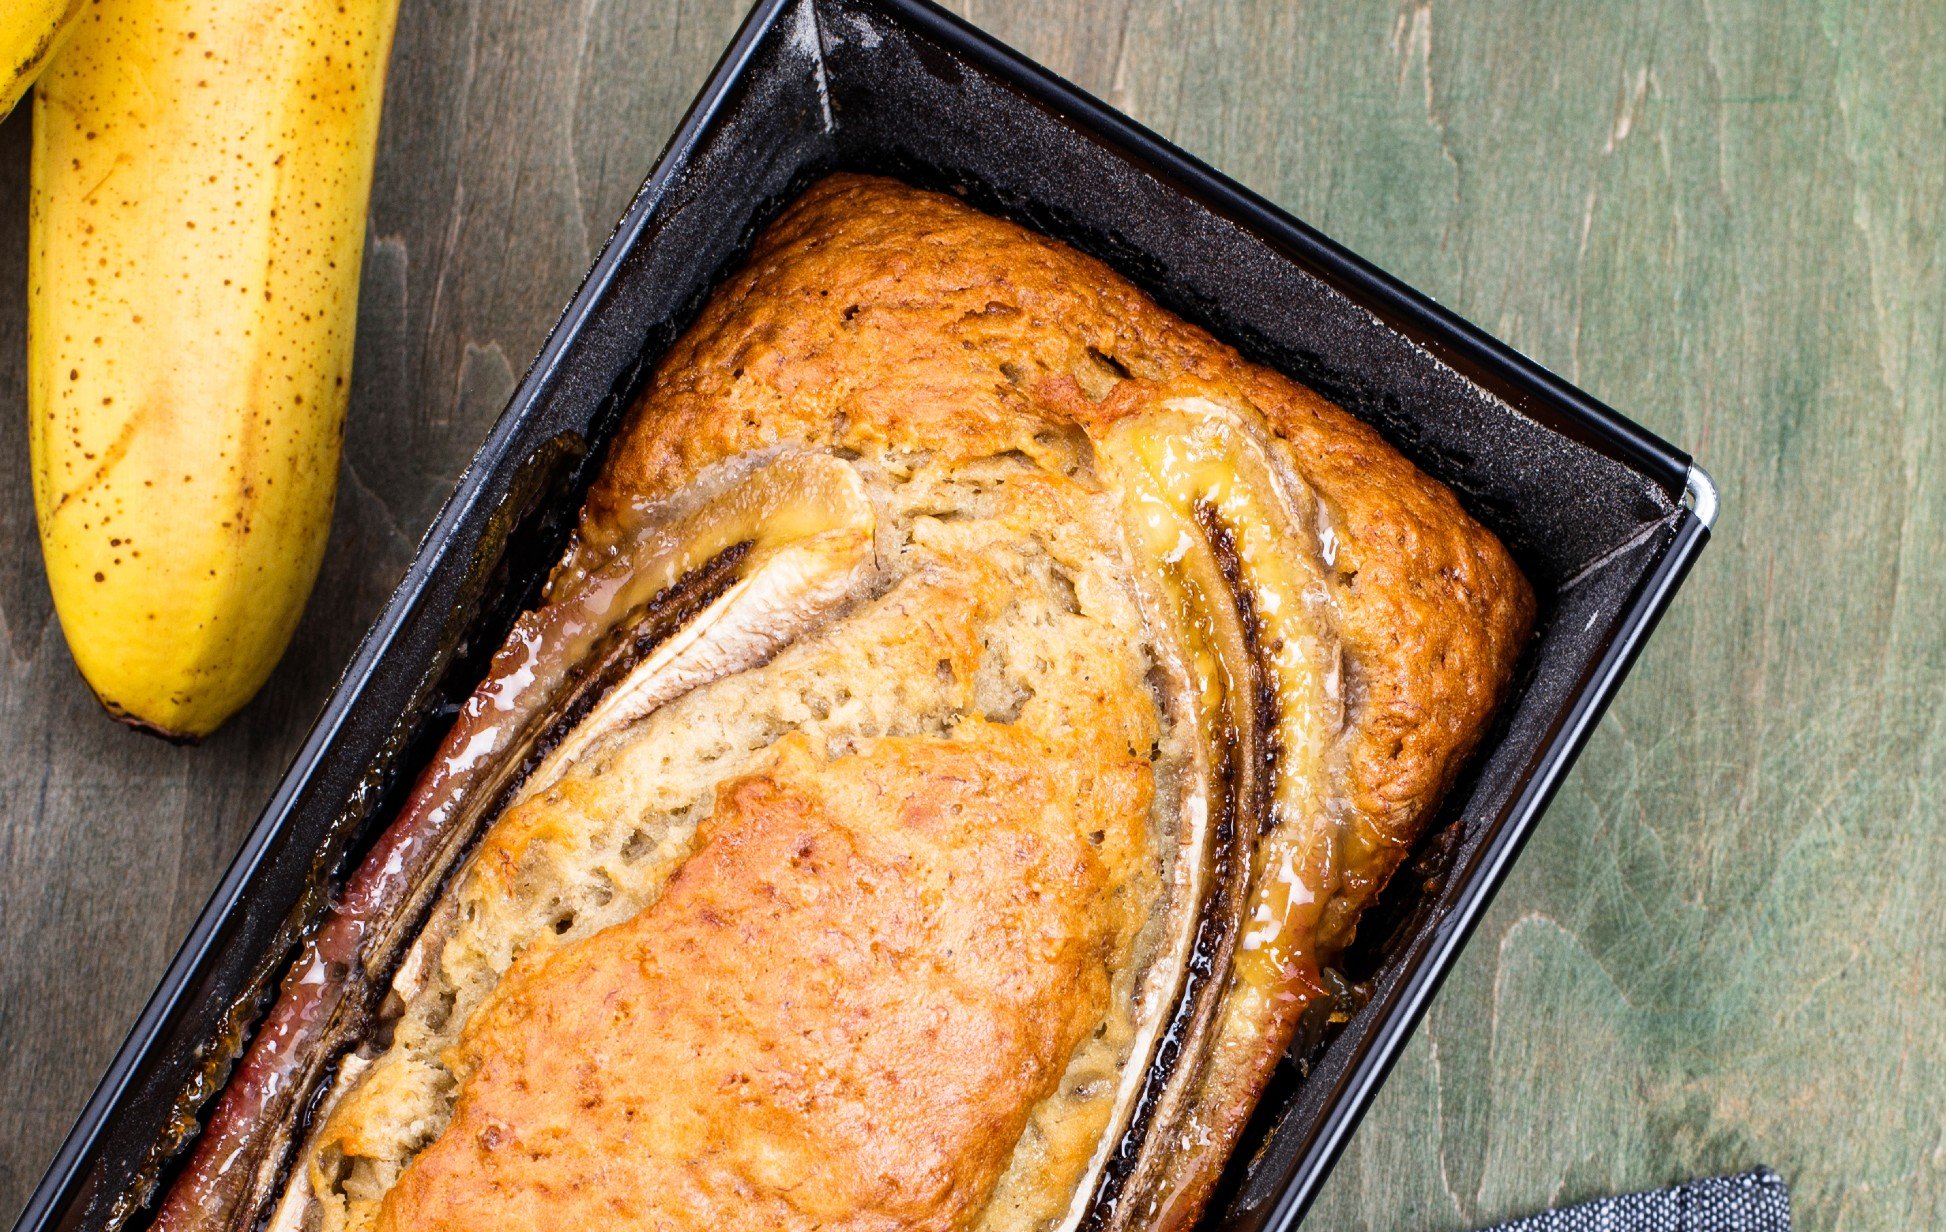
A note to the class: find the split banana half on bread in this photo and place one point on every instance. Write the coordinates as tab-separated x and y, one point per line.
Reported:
973	712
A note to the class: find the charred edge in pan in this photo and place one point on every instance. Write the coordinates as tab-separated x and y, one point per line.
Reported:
280	1127
1246	784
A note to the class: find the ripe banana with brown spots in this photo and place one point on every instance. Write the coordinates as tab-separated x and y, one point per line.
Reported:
201	170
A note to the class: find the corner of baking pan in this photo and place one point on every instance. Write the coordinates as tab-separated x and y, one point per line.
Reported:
1451	339
1699	496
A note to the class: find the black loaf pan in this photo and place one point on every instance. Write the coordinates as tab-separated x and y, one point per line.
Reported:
1604	517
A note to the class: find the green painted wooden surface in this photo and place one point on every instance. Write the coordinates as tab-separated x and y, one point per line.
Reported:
1727	219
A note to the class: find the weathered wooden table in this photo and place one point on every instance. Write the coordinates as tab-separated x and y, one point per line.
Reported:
1725	946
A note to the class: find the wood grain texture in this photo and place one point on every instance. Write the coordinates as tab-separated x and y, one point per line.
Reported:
1729	220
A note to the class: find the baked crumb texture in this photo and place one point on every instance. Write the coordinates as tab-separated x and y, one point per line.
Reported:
858	939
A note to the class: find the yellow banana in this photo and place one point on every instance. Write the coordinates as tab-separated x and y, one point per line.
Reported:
30	33
200	172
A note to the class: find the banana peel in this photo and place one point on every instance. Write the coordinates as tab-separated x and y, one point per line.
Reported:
200	176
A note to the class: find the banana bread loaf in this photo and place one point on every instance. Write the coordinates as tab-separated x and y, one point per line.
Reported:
973	712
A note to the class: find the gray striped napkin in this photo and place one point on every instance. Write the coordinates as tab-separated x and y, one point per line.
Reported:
1753	1201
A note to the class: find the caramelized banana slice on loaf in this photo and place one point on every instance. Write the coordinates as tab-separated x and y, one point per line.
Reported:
1228	537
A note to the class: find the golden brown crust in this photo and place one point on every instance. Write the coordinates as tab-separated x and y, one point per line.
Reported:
837	1017
876	316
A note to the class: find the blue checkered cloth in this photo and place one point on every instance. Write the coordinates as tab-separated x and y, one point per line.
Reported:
1754	1201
